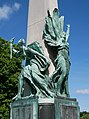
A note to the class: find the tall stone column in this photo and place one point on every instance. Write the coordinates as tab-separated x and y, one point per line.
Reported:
36	20
36	15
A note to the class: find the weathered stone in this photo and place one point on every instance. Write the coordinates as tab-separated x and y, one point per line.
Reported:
24	109
55	108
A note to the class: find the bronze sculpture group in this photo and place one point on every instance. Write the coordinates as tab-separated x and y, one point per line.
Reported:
37	64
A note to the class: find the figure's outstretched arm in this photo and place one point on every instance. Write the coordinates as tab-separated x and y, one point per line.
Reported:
11	46
12	49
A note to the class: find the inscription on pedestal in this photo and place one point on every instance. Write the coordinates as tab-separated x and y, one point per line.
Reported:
66	108
22	112
25	109
68	112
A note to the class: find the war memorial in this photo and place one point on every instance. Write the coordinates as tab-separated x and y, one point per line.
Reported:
43	91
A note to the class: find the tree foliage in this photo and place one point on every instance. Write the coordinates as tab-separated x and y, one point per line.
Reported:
9	71
84	115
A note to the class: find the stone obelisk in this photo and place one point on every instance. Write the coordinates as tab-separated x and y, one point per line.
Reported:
36	20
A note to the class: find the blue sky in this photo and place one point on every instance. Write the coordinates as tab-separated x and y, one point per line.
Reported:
13	23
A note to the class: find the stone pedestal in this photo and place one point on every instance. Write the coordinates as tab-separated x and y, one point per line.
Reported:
66	108
53	108
24	109
46	109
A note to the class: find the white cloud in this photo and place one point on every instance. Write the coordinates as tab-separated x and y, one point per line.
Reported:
16	6
83	91
6	10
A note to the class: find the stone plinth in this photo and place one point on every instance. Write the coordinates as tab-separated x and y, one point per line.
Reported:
24	109
55	108
66	108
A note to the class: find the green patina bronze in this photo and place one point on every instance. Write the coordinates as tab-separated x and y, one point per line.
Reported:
35	70
53	89
56	41
36	67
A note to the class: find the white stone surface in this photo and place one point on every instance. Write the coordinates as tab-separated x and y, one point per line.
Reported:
36	20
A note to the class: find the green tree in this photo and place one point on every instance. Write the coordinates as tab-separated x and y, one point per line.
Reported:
9	72
84	115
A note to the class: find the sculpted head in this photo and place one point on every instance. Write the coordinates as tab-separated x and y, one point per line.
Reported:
56	12
21	42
